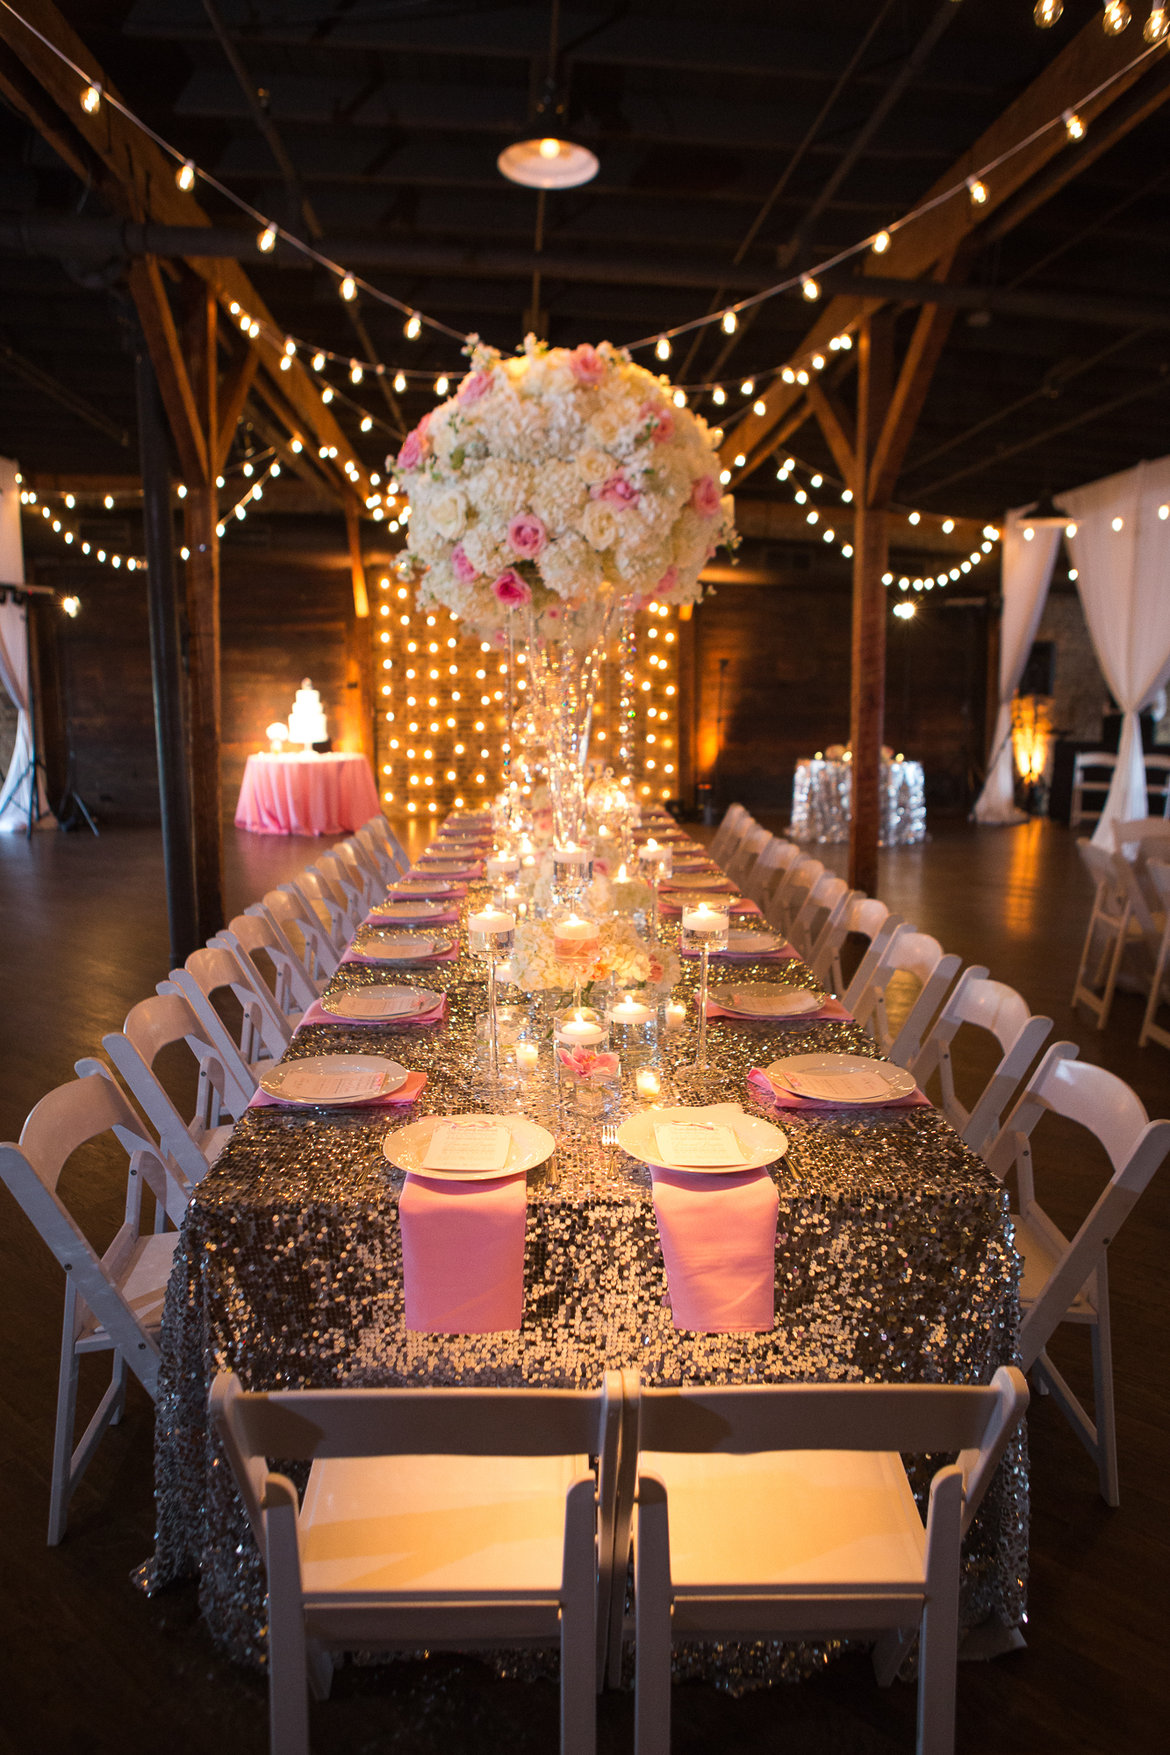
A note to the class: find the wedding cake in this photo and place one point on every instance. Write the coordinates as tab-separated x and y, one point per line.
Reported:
306	722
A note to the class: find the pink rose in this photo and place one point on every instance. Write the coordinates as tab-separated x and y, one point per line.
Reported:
705	496
527	535
586	364
464	571
413	451
667	582
659	420
617	491
510	589
475	385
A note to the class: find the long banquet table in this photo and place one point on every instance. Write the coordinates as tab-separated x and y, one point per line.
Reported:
894	1262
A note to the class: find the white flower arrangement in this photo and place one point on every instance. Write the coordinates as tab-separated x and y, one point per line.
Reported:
621	955
562	478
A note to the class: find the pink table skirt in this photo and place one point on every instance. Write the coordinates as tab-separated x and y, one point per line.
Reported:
306	795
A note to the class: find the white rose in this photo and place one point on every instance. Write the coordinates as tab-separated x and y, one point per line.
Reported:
599	524
595	466
449	514
614	426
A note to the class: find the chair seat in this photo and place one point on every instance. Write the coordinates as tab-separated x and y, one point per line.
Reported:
389	1526
143	1284
1040	1250
789	1520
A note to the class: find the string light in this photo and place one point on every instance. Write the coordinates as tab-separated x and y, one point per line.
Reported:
267	239
442	385
1157	25
730	322
1073	126
355	372
719	395
412	328
1047	12
977	189
348	288
662	348
810	288
399	382
91	99
881	244
1115	18
185	175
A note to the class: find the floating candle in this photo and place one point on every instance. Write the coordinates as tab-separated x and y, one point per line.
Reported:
492	923
503	865
705	919
571	854
648	1083
630	1011
578	1032
527	1057
675	1014
574	938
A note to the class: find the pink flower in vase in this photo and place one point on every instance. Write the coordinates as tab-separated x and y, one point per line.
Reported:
463	569
705	497
527	535
510	589
583	1063
587	365
667	582
660	422
475	385
617	491
415	447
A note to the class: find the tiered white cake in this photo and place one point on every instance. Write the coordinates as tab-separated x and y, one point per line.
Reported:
306	722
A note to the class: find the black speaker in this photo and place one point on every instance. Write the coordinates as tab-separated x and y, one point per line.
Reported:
1039	676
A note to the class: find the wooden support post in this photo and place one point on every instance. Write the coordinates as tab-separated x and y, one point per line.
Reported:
868	688
202	518
166	664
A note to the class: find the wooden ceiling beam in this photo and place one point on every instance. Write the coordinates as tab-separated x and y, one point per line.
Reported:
916	247
232	396
909	394
170	365
838	429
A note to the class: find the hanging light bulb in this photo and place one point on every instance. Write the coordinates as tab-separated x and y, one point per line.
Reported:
267	239
719	396
91	99
759	406
348	288
788	375
730	322
412	328
1115	18
327	393
680	398
1047	12
318	361
355	372
810	288
1157	25
818	362
662	348
977	189
400	382
747	388
880	244
185	175
367	423
290	347
1073	126
442	385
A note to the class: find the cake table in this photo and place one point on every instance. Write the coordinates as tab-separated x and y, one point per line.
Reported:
306	794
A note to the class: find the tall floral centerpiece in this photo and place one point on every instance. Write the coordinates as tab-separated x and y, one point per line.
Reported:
553	488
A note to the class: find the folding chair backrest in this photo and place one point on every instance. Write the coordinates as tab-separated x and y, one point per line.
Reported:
741	862
921	957
345	882
771	868
303	933
827	896
1002	1012
375	849
789	896
727	833
152	1025
380	827
1105	869
255	935
212	971
864	917
916	1419
318	887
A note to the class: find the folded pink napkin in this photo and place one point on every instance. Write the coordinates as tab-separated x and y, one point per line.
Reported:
718	1237
463	1254
782	1099
352	956
832	1008
449	917
440	887
405	1093
316	1014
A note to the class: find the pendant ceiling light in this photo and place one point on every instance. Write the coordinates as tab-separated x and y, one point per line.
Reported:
548	160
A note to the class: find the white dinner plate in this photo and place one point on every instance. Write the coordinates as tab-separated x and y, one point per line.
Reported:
390	1004
741	942
283	1080
805	1069
529	1146
422	886
400	947
698	881
447	865
762	1141
406	911
766	1000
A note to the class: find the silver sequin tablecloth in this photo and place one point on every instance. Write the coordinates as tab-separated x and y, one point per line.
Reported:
894	1261
821	802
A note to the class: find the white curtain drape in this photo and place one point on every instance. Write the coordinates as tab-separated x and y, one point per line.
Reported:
16	790
1027	573
1121	550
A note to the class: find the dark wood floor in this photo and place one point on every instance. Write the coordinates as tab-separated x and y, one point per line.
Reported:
89	1664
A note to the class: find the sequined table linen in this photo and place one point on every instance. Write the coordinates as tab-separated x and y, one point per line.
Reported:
894	1262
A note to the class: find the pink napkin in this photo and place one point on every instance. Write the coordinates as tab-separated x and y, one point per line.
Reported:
442	889
463	1254
832	1008
316	1014
405	1093
764	1087
449	917
718	1237
352	956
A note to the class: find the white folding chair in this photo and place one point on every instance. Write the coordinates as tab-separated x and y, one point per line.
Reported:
375	850
304	936
334	910
919	959
1158	877
863	917
207	977
789	895
742	859
771	870
113	1302
727	834
784	1511
348	878
1002	1012
255	938
825	901
432	1517
162	1021
1157	782
378	826
1092	773
1067	1281
1111	930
